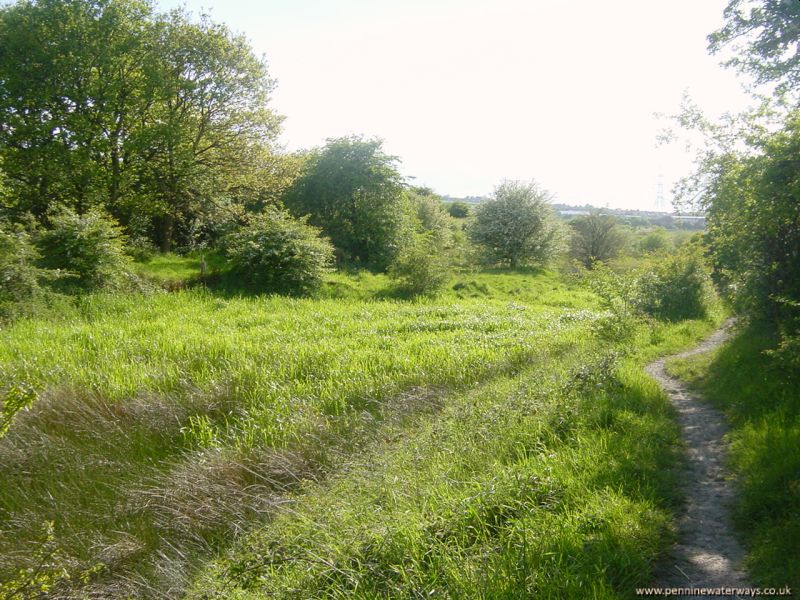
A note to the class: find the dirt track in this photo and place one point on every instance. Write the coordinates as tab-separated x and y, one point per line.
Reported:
707	553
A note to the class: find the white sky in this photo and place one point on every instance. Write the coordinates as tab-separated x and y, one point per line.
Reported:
469	92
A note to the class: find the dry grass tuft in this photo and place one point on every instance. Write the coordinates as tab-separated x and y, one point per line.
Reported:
218	489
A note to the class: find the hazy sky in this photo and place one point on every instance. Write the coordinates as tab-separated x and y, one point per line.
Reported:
467	93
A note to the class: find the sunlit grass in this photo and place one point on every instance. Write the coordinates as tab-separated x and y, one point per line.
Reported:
169	424
556	483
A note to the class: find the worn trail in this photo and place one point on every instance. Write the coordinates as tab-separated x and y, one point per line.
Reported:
707	553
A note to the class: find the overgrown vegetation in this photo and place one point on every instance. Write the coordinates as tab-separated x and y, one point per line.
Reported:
747	181
420	269
555	483
23	280
595	238
200	414
88	248
678	287
352	190
437	416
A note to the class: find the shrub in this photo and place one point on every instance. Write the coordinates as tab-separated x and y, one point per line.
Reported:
420	268
90	247
679	287
277	253
429	216
20	278
19	275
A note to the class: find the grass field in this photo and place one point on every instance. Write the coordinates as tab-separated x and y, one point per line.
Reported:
164	428
761	399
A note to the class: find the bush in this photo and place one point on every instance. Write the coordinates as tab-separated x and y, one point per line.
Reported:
277	253
678	288
420	269
90	247
20	278
428	216
19	274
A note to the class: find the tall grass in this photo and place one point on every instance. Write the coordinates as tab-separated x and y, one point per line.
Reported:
164	423
555	483
761	399
164	427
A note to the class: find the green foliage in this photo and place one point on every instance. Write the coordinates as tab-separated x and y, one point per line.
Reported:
21	279
760	395
429	217
653	242
619	291
420	268
352	190
110	104
13	398
763	34
516	226
277	253
675	287
197	411
421	265
751	197
458	210
678	288
595	237
285	383
90	247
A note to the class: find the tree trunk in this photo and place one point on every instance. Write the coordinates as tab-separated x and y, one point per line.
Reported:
165	227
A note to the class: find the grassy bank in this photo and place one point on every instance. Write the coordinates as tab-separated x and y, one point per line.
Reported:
761	400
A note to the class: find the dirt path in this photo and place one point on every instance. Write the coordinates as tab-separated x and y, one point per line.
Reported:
707	553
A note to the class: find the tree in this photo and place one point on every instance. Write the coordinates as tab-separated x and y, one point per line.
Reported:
209	130
71	77
765	35
107	103
754	223
420	268
679	287
429	216
655	241
516	225
421	265
352	190
21	276
595	237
